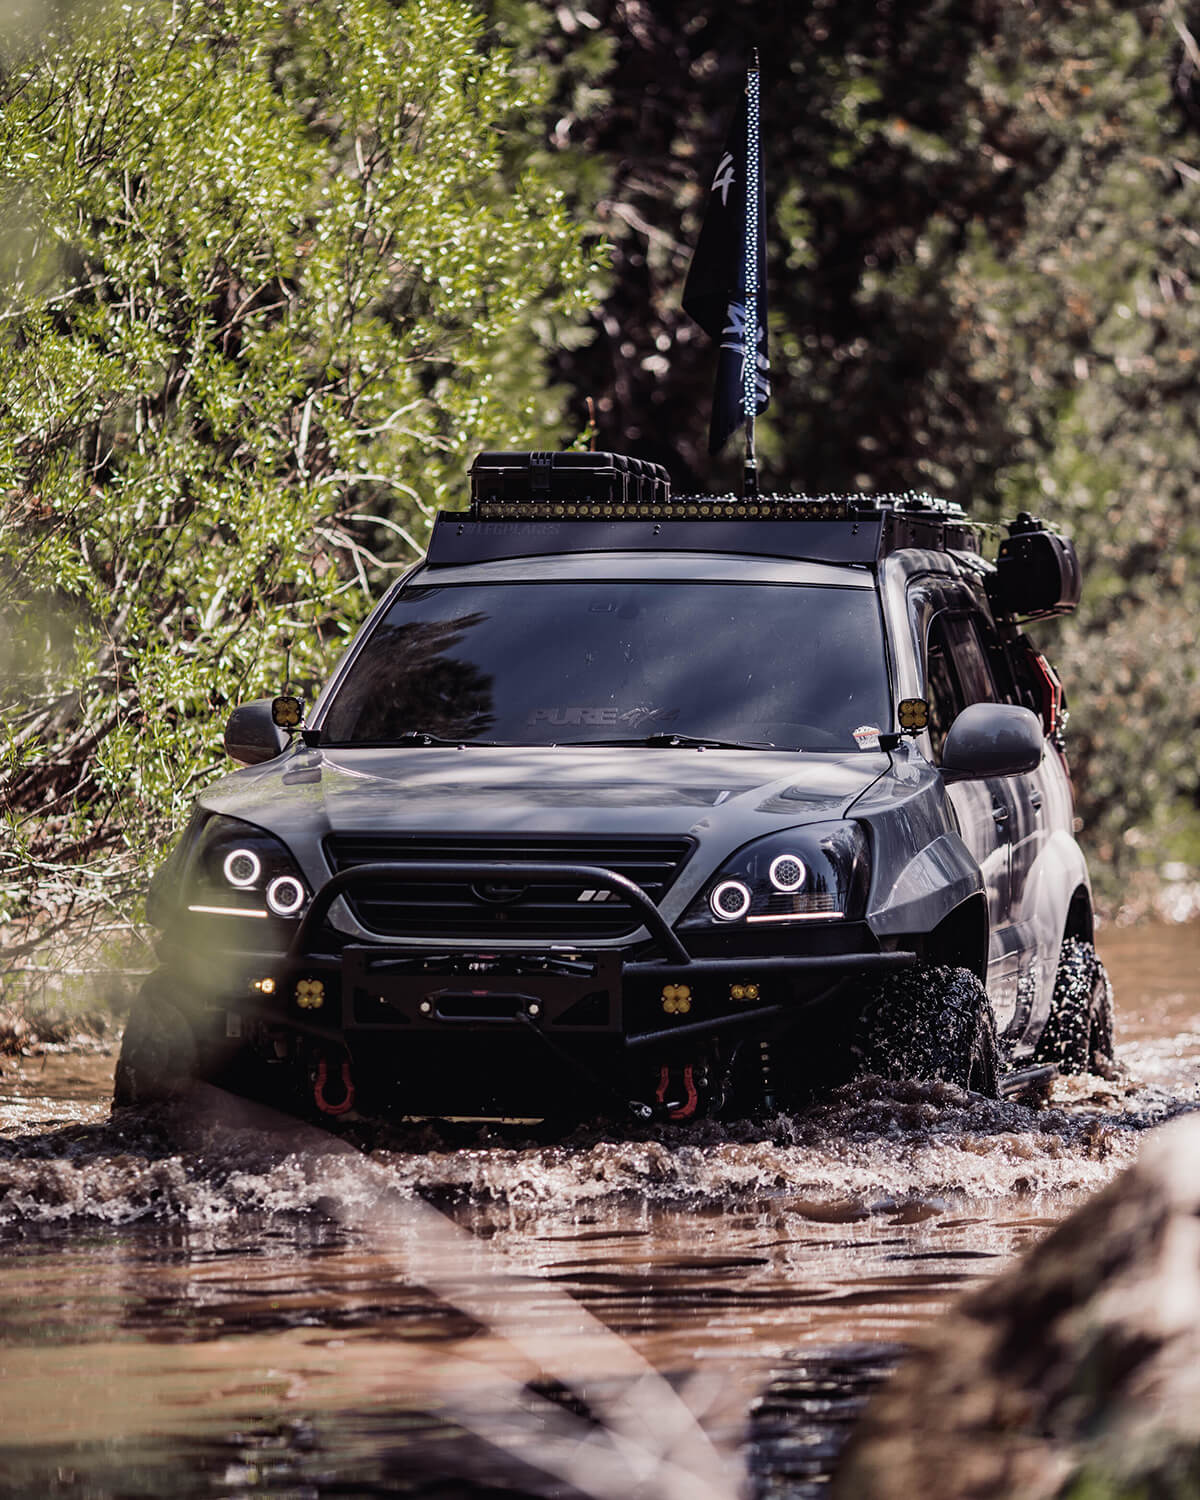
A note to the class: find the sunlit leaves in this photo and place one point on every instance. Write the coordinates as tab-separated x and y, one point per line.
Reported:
279	270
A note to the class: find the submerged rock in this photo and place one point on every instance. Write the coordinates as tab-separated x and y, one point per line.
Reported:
1075	1373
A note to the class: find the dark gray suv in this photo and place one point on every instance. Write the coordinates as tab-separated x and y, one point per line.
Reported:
623	801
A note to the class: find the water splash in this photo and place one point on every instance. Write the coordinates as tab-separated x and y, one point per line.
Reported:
874	1142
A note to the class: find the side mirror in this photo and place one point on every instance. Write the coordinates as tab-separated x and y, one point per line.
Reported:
992	739
251	734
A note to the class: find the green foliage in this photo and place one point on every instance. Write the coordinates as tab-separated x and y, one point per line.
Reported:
270	273
1087	325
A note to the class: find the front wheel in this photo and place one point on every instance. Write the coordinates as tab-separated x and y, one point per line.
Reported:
1079	1032
158	1050
929	1022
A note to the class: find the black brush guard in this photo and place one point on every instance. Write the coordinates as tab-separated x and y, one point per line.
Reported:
439	987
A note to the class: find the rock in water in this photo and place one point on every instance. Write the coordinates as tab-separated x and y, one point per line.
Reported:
1075	1373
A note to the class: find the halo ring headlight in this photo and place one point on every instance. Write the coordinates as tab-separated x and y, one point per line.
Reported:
730	900
242	868
285	895
787	873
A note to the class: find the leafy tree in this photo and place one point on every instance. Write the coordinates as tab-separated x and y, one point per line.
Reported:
270	272
1086	325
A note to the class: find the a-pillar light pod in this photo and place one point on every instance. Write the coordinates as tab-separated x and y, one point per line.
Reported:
788	873
730	900
242	868
286	895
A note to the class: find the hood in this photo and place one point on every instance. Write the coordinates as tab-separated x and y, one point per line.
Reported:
305	794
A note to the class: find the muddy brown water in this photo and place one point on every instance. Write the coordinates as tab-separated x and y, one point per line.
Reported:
214	1302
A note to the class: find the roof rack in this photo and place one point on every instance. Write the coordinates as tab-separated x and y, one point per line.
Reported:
818	528
536	504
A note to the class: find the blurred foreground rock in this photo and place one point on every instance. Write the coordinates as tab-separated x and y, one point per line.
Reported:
1076	1373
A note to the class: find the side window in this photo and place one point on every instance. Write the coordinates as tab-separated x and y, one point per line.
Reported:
1008	689
941	686
956	672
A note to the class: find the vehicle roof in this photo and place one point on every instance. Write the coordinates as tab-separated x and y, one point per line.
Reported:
713	567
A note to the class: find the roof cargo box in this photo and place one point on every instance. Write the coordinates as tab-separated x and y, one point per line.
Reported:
565	478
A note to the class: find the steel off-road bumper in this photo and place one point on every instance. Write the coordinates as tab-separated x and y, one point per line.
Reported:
561	990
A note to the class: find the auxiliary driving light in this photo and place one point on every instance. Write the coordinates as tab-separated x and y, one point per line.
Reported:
913	714
310	994
730	900
242	868
676	999
787	873
743	992
285	895
286	711
263	986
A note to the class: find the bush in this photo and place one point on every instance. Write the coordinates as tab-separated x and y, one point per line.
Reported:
270	273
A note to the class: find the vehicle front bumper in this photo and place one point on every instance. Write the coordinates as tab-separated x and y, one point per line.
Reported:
643	995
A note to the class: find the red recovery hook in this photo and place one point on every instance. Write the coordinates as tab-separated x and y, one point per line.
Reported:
319	1090
687	1109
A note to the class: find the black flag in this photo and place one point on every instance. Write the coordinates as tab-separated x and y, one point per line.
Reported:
728	272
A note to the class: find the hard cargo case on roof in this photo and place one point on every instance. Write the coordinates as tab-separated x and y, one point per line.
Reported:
565	478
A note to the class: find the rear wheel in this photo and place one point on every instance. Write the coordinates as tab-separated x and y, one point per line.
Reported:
158	1050
929	1022
1079	1033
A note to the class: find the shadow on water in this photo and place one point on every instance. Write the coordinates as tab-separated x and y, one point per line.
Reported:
803	1419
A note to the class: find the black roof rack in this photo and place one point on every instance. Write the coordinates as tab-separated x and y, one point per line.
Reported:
817	528
536	504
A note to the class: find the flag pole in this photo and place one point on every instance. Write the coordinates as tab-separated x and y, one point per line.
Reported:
750	358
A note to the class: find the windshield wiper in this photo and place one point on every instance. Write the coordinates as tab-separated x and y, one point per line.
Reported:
659	739
686	742
427	737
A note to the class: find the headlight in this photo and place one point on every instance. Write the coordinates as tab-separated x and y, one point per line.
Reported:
237	870
818	871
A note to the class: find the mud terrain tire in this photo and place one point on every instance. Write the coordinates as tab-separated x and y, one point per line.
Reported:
158	1050
1079	1034
933	1023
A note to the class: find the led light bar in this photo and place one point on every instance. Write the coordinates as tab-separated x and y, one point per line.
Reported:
703	508
720	508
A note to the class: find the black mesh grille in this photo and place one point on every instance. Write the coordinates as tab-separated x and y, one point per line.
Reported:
433	909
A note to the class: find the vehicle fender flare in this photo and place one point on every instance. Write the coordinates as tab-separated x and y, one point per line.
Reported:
938	879
1057	901
1059	874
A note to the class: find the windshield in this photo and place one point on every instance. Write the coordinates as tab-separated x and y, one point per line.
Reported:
799	667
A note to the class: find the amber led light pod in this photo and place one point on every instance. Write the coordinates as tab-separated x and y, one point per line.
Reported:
913	714
310	994
286	712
